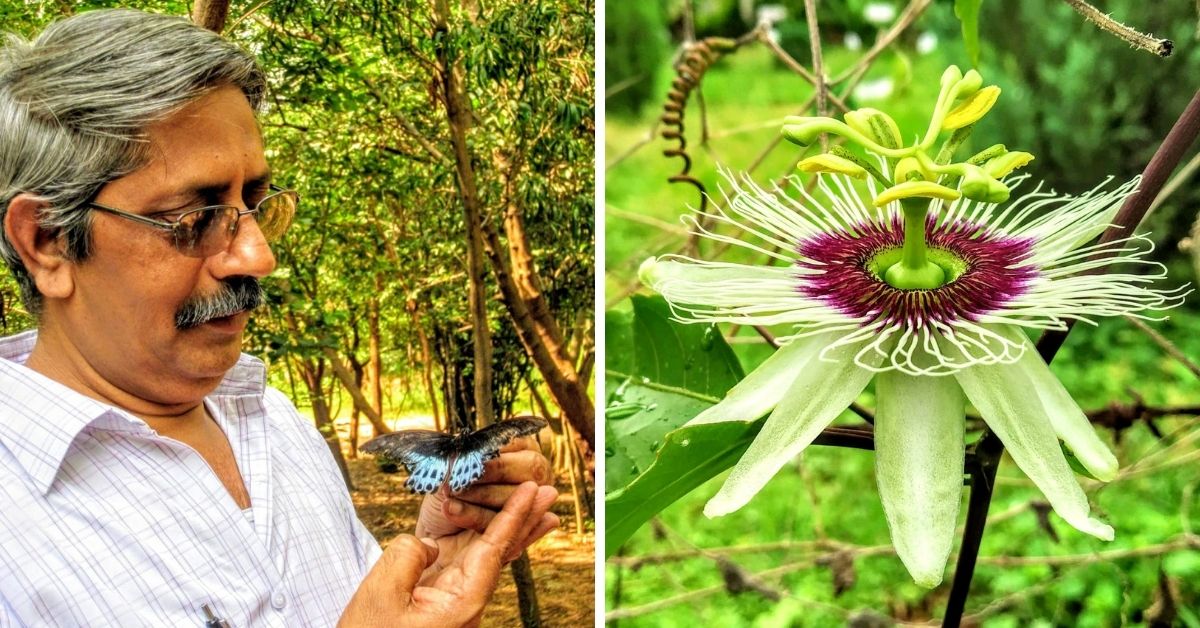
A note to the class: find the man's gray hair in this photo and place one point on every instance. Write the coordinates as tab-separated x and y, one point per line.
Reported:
76	101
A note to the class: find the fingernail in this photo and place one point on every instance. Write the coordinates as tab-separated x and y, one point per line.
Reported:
454	507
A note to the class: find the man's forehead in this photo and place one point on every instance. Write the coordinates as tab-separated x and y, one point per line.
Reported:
210	145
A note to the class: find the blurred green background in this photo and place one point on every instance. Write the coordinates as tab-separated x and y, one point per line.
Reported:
1088	106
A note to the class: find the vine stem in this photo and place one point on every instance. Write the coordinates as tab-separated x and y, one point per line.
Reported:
1149	43
985	456
814	40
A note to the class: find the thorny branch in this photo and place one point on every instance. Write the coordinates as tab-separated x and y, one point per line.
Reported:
1149	43
818	78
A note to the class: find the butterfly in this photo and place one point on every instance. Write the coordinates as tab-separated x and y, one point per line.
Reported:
431	456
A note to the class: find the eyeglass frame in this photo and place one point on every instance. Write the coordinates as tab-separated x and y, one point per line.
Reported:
173	226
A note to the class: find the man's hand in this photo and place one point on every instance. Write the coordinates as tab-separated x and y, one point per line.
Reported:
520	461
419	583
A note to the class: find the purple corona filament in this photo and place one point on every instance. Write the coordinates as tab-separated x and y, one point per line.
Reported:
842	279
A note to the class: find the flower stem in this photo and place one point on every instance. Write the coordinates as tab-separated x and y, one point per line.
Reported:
914	271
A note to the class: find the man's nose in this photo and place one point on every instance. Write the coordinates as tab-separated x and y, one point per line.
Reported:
248	253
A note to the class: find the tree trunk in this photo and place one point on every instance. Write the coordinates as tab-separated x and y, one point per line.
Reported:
560	375
374	374
360	378
458	116
426	361
538	329
347	378
312	372
522	572
572	454
354	414
211	14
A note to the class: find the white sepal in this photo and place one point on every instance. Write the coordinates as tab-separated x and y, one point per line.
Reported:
762	389
1008	400
1068	420
812	402
919	467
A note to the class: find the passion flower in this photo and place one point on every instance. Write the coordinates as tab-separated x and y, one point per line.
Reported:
927	288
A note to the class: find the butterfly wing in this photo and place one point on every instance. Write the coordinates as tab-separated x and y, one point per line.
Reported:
468	467
483	445
424	453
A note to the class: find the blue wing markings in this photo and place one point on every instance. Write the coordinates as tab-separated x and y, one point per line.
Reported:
426	473
468	467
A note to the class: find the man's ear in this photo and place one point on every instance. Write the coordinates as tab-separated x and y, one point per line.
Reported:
40	250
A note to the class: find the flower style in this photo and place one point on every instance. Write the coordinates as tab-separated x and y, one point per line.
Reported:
927	289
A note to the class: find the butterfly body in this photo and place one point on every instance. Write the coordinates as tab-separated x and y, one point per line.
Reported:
435	460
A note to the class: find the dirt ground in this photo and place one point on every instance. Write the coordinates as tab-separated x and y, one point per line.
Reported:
563	561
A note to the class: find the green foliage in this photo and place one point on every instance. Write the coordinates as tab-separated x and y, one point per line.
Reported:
669	373
635	52
675	372
967	12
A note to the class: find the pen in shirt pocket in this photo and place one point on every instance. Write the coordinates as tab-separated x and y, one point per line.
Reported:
210	618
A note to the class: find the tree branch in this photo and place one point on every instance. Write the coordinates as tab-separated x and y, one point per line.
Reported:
1149	43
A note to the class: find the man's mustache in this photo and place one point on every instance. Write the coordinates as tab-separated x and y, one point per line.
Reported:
237	294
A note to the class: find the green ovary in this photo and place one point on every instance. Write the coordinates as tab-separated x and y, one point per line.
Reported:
951	265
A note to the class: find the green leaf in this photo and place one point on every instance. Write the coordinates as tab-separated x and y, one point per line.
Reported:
694	357
618	332
690	457
661	374
967	12
637	419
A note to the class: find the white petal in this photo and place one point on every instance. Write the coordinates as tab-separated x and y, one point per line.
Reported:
659	270
762	389
1008	400
919	467
819	394
1067	419
700	291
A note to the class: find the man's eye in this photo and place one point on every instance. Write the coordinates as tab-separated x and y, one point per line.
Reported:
254	197
174	214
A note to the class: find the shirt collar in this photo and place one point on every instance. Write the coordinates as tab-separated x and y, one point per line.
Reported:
28	398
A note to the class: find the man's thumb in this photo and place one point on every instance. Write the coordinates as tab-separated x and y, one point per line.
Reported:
404	561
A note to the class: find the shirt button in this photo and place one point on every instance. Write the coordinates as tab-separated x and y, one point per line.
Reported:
278	600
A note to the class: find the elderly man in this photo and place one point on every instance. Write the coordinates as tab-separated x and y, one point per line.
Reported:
148	476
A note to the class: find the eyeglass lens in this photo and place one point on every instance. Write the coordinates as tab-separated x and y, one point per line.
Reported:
210	230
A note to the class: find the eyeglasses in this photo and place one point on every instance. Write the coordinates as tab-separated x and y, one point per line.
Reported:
208	230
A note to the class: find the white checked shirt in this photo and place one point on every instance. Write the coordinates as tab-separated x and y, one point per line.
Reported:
105	523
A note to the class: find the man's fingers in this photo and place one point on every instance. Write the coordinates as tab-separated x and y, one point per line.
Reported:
548	522
468	516
542	502
518	444
506	527
487	495
402	563
516	467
